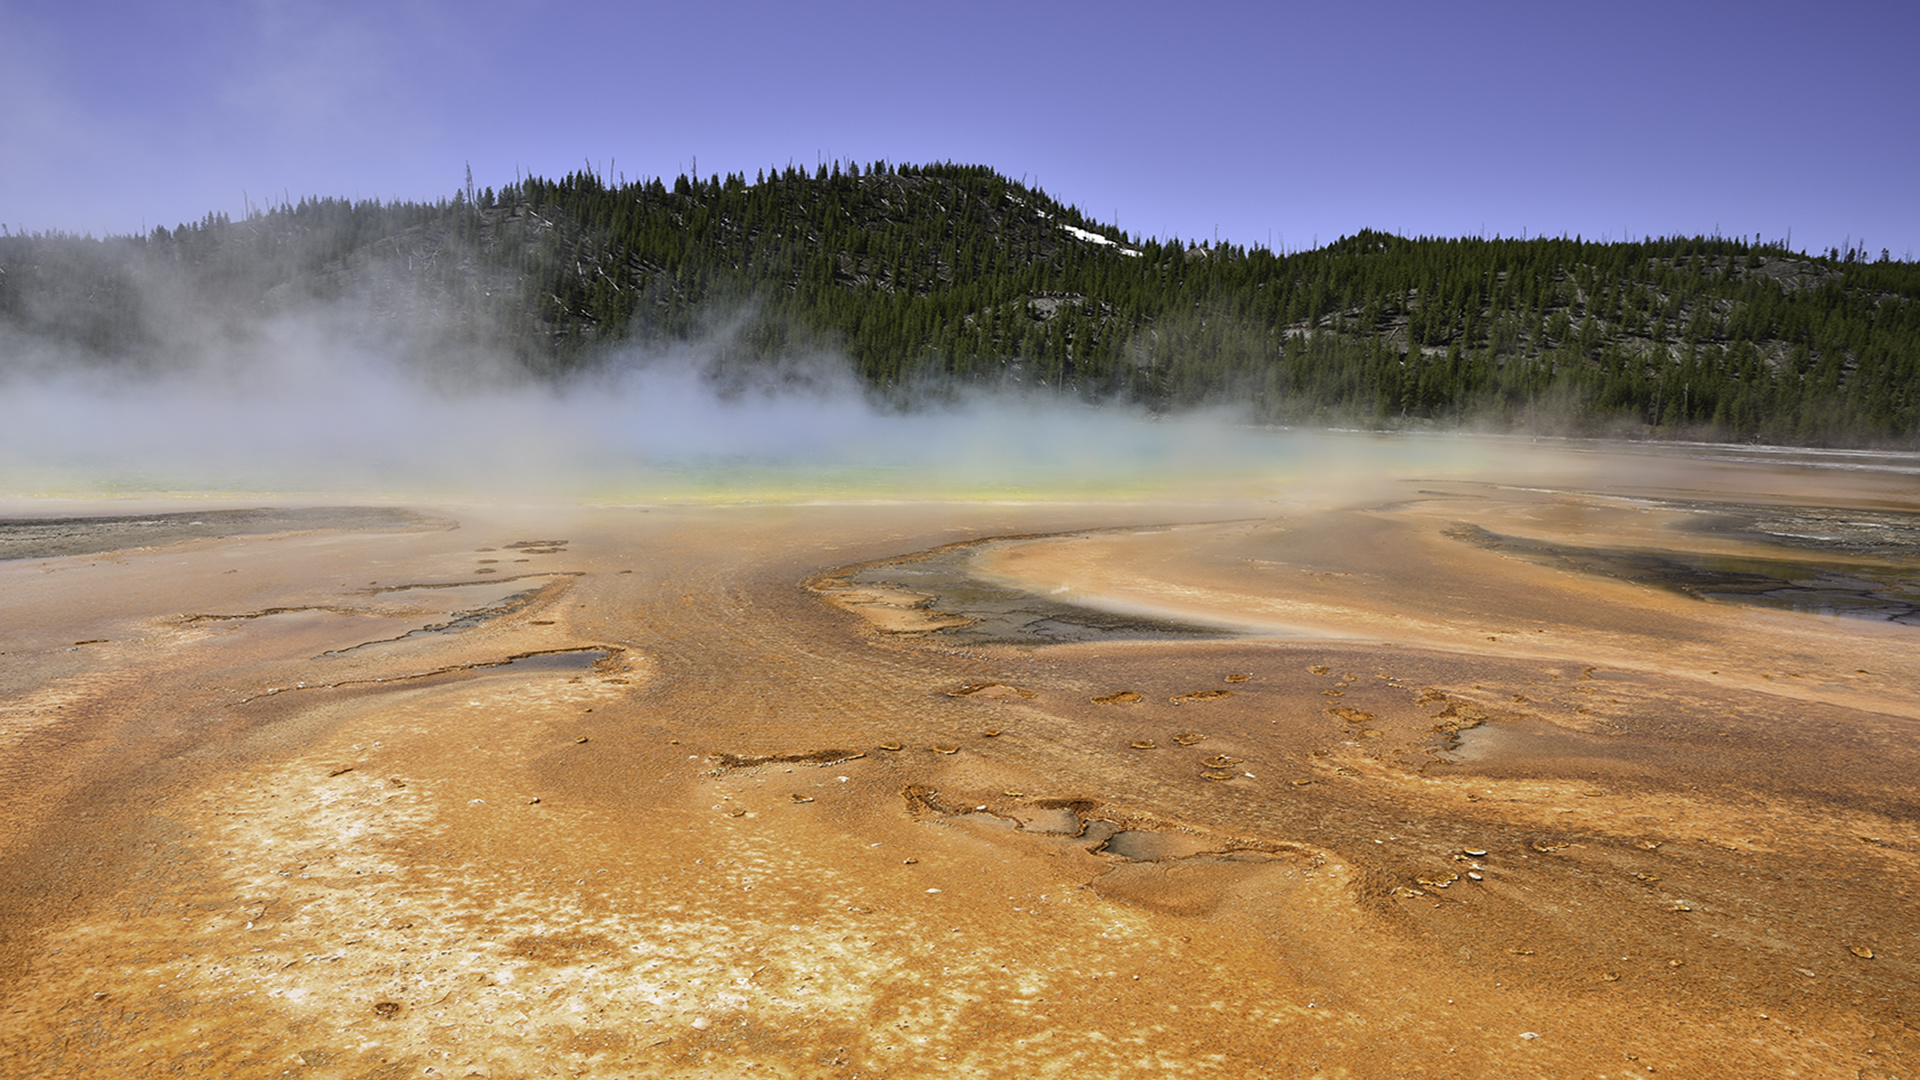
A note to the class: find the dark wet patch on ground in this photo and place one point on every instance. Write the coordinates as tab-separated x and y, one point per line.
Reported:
997	615
1091	824
992	691
1886	591
563	660
602	659
1145	861
46	538
723	763
559	948
1534	740
264	613
460	620
469	584
1147	845
1881	533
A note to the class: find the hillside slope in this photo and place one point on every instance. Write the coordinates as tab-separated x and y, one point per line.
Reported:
942	274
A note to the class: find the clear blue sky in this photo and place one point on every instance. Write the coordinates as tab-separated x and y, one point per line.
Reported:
1259	120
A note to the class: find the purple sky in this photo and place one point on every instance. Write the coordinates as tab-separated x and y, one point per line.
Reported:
1261	120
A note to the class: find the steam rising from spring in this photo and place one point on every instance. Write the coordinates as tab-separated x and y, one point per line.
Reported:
328	399
303	410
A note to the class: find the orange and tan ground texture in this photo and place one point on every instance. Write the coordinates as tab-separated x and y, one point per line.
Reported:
1608	771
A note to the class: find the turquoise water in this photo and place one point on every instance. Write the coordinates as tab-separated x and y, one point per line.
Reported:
1027	455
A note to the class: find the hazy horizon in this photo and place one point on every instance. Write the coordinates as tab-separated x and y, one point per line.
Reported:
1285	127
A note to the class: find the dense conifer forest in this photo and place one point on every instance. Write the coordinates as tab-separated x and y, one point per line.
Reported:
939	276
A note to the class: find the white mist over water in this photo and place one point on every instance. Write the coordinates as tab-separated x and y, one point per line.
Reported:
294	416
330	400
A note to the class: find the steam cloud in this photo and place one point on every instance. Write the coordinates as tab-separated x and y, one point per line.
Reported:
312	402
382	390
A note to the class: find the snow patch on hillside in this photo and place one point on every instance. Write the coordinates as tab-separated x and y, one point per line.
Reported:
1096	238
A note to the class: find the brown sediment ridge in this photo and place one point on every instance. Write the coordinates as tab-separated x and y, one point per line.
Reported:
1339	789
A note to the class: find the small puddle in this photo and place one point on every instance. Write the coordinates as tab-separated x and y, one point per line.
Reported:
46	538
1876	533
1142	845
991	821
1510	741
565	660
495	599
1052	822
560	660
980	612
1890	592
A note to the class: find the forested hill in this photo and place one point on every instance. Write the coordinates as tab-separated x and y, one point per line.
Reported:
926	276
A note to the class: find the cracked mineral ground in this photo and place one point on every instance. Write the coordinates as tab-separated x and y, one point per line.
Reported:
1601	769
